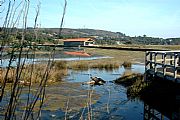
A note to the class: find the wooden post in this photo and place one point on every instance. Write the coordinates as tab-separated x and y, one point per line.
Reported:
163	59
175	66
164	65
155	65
171	62
146	61
151	60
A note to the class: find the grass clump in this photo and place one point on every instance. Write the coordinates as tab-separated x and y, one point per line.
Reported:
79	65
105	65
134	82
127	64
85	65
135	90
57	75
129	79
60	65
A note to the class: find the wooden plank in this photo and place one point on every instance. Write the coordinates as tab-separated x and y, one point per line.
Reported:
165	67
160	60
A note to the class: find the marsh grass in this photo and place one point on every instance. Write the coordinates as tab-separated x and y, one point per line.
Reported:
56	74
134	82
79	65
127	64
59	65
129	79
105	65
85	65
136	88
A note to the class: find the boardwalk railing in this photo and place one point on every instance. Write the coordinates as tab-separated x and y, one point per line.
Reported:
164	64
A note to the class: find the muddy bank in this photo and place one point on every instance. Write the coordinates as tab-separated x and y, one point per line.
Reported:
61	95
60	98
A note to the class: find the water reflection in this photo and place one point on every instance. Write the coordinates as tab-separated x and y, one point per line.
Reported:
161	111
162	108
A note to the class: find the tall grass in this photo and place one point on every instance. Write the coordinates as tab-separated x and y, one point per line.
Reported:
56	74
85	65
60	65
105	65
79	65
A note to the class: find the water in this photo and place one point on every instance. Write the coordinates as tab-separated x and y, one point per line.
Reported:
5	62
83	76
113	103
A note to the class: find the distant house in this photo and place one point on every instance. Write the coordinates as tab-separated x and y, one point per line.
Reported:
75	42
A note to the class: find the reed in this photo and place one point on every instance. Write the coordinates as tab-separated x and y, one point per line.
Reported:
58	71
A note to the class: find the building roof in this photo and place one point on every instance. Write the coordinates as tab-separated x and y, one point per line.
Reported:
78	40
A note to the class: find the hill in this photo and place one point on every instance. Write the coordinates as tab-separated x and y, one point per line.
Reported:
83	32
103	37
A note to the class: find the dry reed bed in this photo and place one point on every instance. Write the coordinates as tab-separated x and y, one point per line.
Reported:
34	74
85	65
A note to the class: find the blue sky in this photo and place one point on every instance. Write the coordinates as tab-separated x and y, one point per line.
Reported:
155	18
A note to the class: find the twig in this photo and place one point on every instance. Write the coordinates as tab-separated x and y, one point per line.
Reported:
62	19
67	106
109	91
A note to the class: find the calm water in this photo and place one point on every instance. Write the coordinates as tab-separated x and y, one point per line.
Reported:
112	95
5	62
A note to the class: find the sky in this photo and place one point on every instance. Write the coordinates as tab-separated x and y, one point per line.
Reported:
153	18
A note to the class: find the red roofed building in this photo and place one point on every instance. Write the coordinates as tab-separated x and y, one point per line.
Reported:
75	42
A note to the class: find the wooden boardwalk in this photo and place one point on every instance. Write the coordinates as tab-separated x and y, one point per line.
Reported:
163	64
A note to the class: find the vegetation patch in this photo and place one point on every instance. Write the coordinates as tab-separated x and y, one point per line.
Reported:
105	65
129	79
127	64
59	65
34	74
134	82
79	65
85	65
